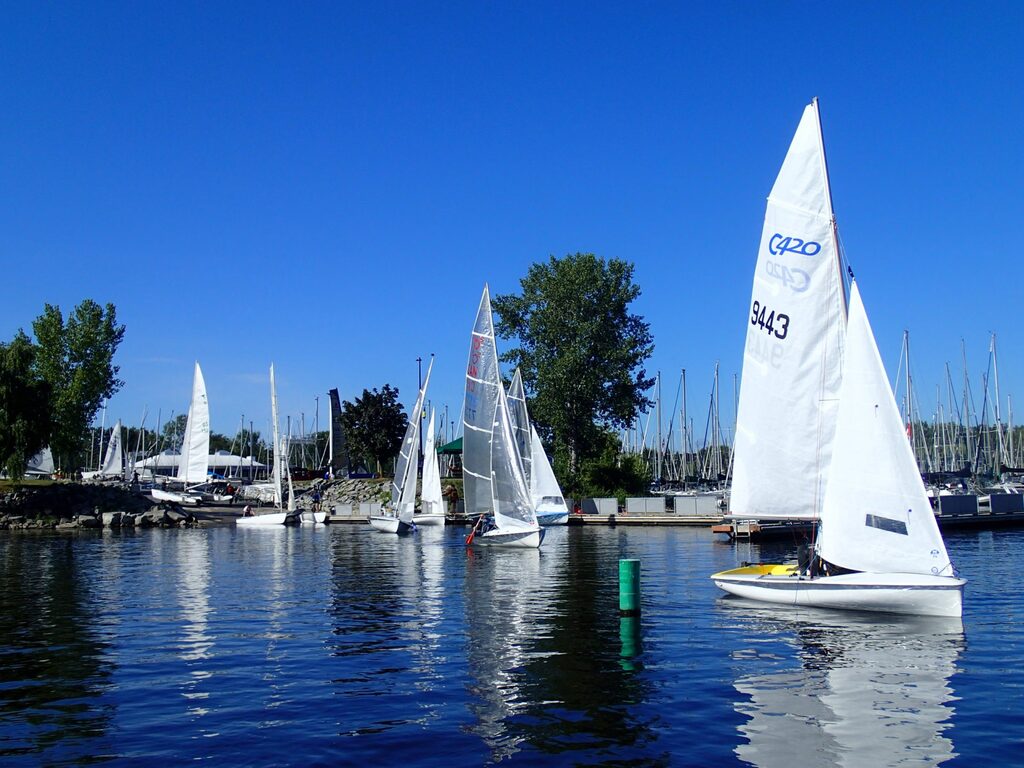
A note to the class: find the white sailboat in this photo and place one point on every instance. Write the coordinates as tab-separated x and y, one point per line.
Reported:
283	515
113	458
493	475
878	546
431	501
544	489
193	464
397	517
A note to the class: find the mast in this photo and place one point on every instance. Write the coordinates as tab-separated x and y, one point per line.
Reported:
834	229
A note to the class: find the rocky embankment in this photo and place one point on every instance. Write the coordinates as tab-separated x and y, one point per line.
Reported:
69	506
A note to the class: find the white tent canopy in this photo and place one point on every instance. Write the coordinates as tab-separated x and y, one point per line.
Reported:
221	462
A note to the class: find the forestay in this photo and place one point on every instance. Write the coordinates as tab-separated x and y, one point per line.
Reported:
482	387
792	362
513	509
195	448
876	516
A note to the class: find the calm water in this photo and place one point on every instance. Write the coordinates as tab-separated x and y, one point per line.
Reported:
344	646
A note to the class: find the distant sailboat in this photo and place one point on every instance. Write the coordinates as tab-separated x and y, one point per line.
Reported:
878	545
544	489
283	515
431	501
113	458
493	474
397	517
193	462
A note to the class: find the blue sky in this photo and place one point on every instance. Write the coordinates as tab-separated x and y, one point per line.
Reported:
329	186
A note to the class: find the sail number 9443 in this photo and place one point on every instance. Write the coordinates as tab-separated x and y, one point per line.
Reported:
774	323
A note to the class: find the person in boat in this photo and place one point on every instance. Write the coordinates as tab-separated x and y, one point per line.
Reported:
247	512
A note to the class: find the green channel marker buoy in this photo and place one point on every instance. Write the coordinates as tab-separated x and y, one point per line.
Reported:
629	587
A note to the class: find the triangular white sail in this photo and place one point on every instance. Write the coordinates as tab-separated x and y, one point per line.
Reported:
430	494
278	495
544	489
876	516
407	500
41	463
195	448
478	412
408	454
513	508
792	361
113	459
520	420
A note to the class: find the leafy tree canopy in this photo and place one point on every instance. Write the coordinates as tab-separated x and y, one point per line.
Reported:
25	422
374	425
76	358
581	351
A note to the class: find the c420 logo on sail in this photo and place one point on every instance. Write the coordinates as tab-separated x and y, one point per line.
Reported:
781	244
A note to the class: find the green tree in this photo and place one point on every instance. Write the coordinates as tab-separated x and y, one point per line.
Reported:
173	433
374	425
581	351
76	358
609	472
25	422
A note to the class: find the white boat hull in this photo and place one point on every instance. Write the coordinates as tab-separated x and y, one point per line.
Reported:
552	518
268	520
428	519
185	499
510	539
903	593
388	524
313	518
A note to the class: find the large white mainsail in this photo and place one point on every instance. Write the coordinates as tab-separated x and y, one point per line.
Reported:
876	516
520	421
478	411
792	361
195	448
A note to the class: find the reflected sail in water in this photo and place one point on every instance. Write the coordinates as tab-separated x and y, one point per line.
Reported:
501	601
867	693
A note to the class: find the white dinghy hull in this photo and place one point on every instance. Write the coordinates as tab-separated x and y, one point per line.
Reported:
510	539
552	518
388	524
185	499
313	518
428	520
903	593
269	520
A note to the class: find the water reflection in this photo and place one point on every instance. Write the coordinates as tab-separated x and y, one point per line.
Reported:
53	674
193	563
869	690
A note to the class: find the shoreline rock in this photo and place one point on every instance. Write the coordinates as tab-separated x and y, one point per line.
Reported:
68	506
